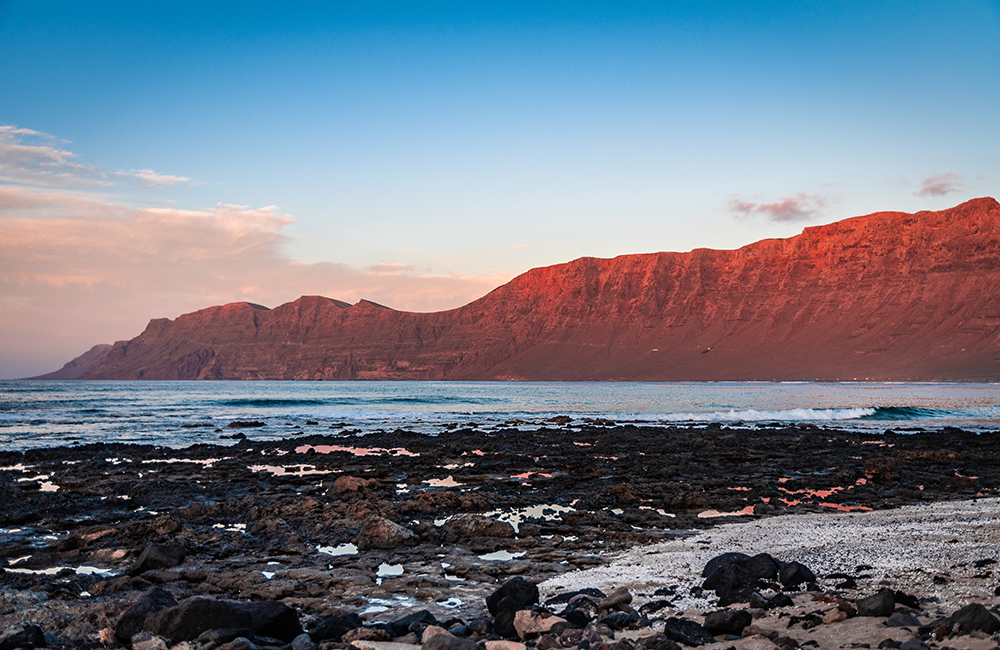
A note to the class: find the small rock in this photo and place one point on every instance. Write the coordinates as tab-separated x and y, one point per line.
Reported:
505	645
432	630
528	623
619	596
448	641
835	615
902	620
147	641
303	642
476	526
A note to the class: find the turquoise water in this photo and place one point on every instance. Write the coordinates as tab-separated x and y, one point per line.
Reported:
53	413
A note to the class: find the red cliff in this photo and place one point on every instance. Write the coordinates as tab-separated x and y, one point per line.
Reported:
888	296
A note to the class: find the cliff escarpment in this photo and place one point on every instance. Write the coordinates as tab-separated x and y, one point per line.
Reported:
888	296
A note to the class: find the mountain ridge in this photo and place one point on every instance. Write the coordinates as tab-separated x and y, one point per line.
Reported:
889	296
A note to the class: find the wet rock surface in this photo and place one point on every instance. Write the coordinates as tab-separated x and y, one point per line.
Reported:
352	540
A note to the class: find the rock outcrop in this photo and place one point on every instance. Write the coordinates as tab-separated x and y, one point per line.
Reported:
888	296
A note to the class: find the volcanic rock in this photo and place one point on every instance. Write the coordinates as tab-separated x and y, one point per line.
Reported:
881	604
379	532
887	296
132	619
504	603
974	617
727	621
22	636
687	632
194	616
158	556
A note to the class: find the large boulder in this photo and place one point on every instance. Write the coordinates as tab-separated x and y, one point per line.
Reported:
973	618
132	619
794	573
25	635
881	604
735	576
189	619
728	621
687	632
504	603
332	628
379	532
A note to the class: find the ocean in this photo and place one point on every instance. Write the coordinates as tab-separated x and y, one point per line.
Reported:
181	413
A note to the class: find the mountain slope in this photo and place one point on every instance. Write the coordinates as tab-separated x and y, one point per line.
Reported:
888	296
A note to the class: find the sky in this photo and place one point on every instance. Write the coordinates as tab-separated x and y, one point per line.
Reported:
159	158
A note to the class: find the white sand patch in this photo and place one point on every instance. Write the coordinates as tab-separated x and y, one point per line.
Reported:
906	548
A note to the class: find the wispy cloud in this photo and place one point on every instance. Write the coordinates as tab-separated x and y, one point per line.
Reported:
941	185
383	269
801	207
29	157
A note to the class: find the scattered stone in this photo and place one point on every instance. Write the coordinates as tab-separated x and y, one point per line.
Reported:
899	619
530	623
147	641
448	641
835	615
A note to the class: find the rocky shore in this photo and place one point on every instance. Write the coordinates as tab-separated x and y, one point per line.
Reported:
332	540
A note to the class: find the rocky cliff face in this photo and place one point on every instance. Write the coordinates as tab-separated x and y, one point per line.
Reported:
888	296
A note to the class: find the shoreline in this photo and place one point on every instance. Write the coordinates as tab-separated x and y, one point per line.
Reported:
263	521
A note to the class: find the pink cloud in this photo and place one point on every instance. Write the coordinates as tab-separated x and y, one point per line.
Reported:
76	271
940	185
800	207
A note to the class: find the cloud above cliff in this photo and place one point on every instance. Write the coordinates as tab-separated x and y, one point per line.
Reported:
801	207
81	264
941	185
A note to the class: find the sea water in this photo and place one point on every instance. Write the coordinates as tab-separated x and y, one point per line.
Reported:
181	413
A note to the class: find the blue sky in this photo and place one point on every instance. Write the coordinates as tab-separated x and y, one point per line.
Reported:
163	157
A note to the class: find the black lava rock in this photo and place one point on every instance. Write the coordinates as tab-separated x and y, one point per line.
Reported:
514	595
22	636
686	631
158	556
974	617
728	621
795	573
422	619
332	628
881	604
133	618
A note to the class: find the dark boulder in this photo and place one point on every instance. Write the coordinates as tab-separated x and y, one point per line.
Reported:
415	622
795	573
906	600
686	631
972	618
728	621
332	628
158	556
881	604
902	620
189	619
379	532
722	560
25	635
514	595
132	619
